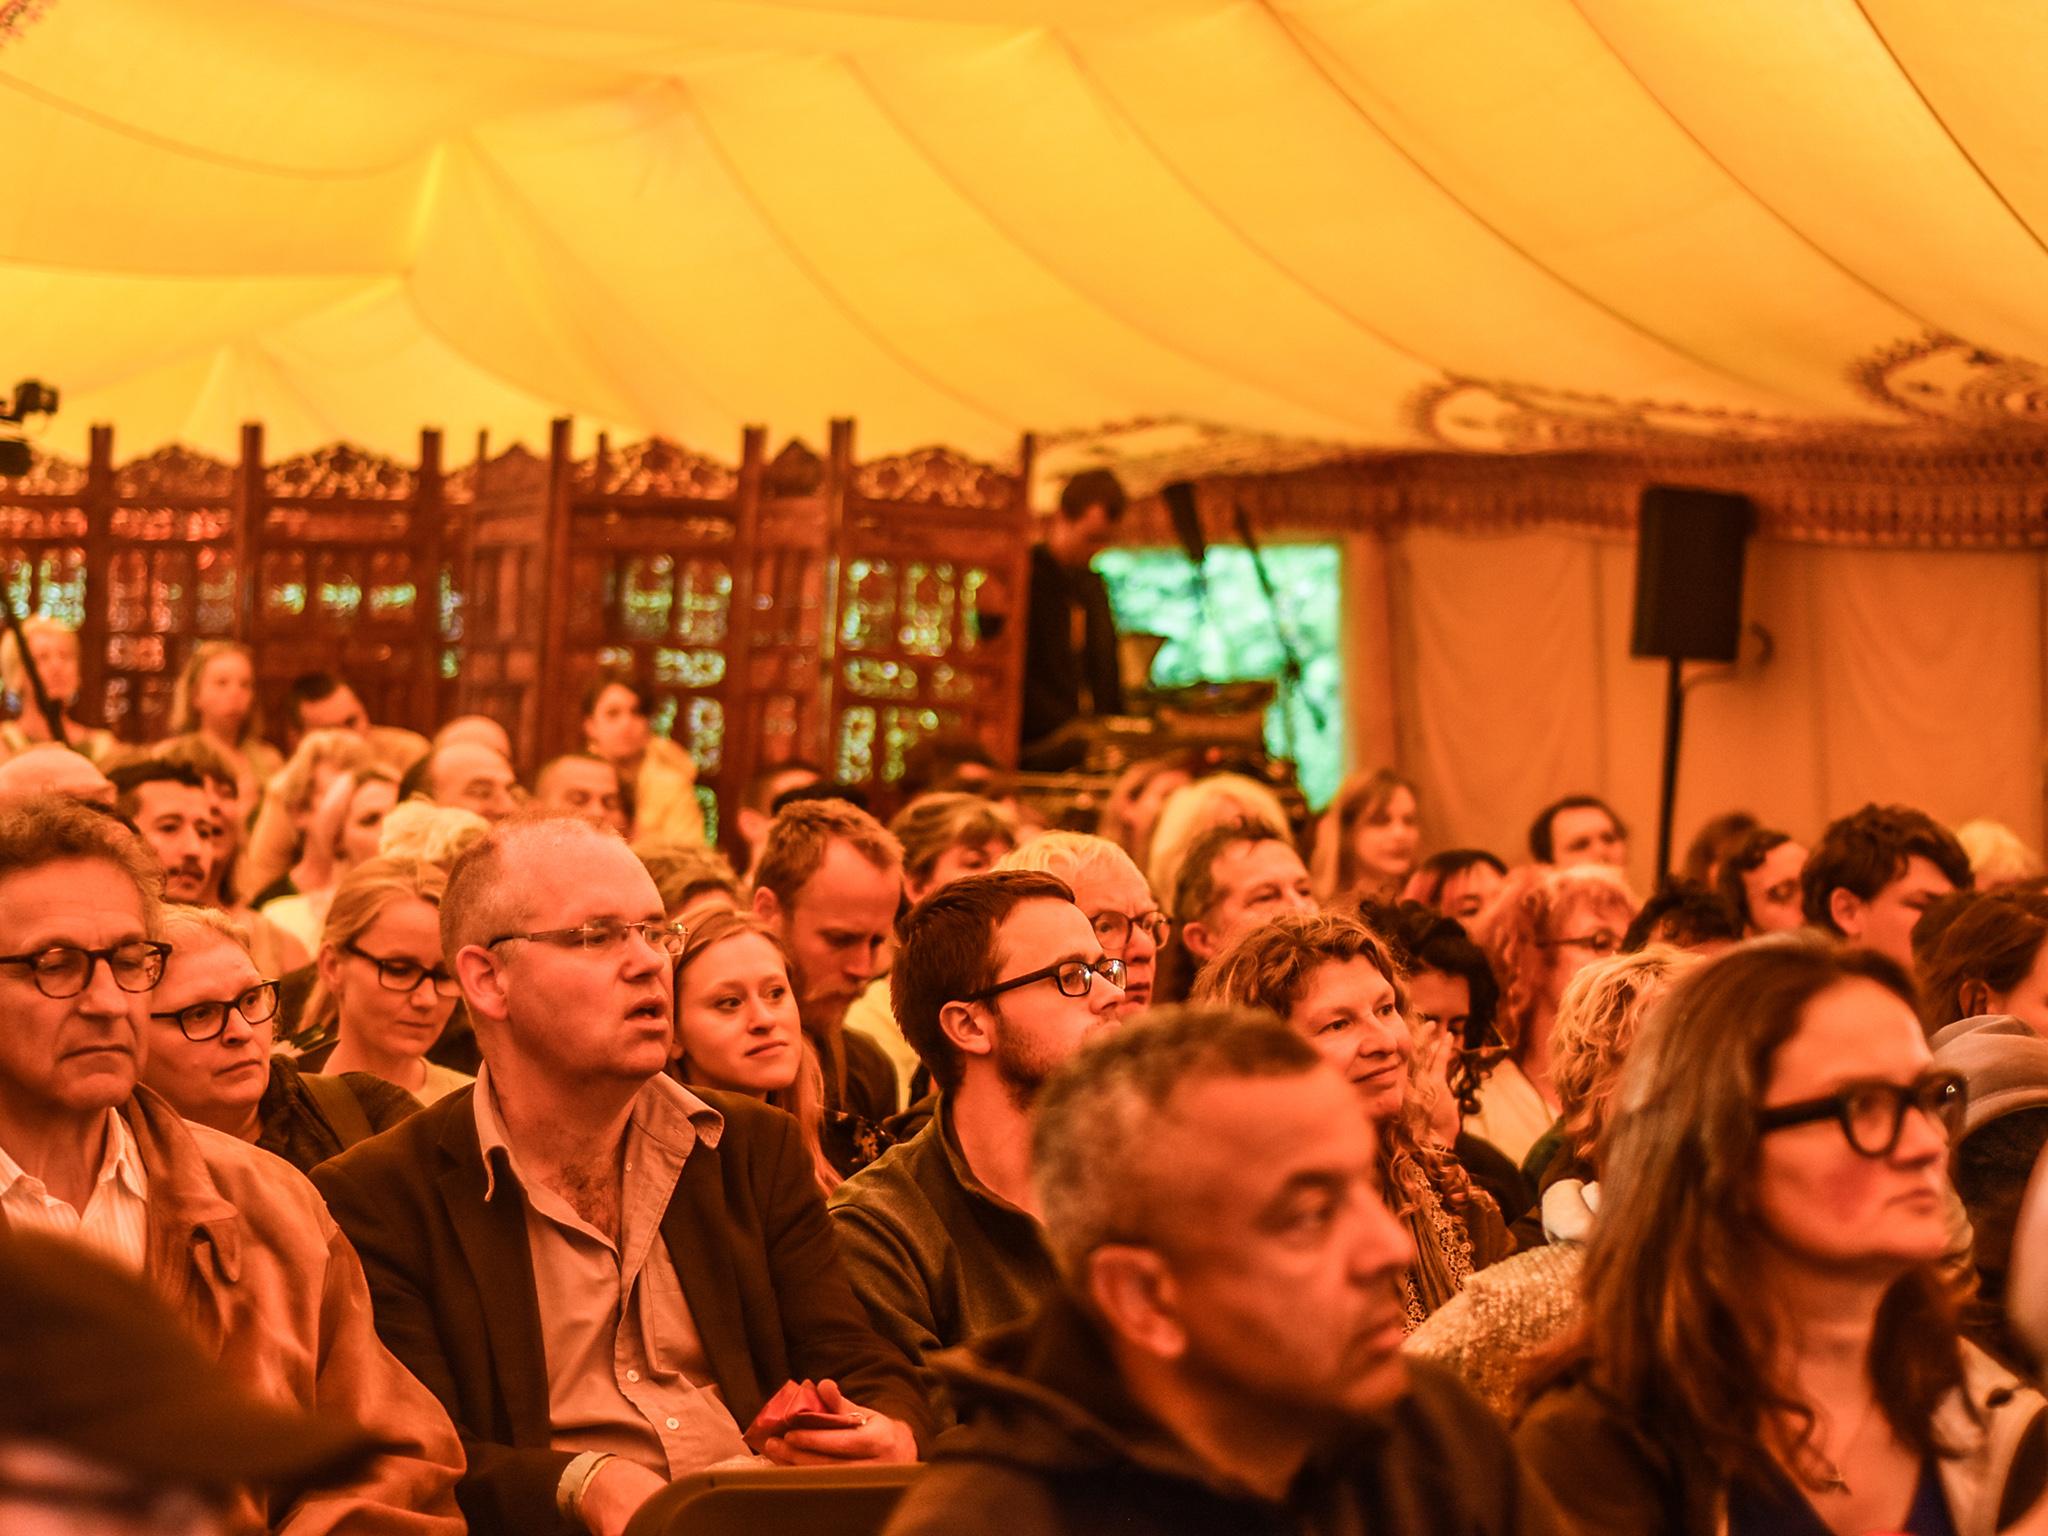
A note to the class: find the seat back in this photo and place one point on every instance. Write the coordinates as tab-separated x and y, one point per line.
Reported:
776	1501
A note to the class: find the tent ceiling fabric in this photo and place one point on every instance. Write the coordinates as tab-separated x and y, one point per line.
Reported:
1365	223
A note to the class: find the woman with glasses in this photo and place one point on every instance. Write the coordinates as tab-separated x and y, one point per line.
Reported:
210	1052
1769	1339
1543	928
1335	983
737	1029
383	995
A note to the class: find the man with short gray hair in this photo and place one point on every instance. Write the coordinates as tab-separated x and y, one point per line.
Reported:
1224	1355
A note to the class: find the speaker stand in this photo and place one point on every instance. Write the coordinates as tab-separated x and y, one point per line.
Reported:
1674	728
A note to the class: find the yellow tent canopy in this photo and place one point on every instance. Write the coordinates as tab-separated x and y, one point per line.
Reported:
1483	224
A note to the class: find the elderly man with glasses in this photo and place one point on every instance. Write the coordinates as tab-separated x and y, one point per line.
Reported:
604	1276
1000	979
237	1241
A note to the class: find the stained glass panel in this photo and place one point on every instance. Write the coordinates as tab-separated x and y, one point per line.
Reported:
218	590
871	677
1232	637
925	618
703	602
688	669
853	761
646	596
905	728
705	742
283	589
868	604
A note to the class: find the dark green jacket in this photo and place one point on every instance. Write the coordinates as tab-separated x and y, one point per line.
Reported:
934	1255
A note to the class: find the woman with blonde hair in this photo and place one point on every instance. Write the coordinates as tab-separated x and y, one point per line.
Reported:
277	834
738	1031
1332	980
1544	927
1366	841
342	832
53	647
1211	802
215	701
383	996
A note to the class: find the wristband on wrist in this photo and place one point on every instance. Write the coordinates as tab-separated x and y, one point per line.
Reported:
575	1483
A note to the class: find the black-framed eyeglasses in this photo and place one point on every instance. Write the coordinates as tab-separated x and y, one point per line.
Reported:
1113	929
202	1021
1873	1115
607	934
1074	978
398	975
65	970
1601	941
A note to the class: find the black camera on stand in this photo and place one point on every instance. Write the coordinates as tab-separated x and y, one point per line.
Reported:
31	398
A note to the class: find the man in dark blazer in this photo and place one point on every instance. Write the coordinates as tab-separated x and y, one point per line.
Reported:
1070	662
602	1275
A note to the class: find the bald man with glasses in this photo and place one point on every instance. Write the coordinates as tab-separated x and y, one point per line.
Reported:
602	1274
999	980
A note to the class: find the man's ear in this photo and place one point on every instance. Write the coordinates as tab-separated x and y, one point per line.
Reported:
753	826
1845	911
965	1026
1136	1296
1974	999
1201	944
483	988
766	907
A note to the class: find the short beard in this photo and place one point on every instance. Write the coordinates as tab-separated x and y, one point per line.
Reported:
1021	1070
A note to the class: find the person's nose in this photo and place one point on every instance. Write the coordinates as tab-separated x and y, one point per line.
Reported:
1141	947
423	996
235	1030
101	997
1380	1245
1922	1140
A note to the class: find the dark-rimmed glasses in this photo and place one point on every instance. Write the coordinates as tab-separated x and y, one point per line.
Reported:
1873	1115
1074	978
399	975
607	934
1113	929
202	1021
65	970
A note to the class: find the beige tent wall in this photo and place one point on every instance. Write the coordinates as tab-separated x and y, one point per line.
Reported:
1494	668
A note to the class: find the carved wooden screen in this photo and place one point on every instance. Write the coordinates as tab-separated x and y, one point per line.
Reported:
653	532
933	554
494	609
46	522
346	551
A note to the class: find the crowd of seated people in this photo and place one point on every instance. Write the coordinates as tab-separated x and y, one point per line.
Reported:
1208	1170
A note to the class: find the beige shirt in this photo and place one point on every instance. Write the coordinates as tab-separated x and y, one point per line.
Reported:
1512	1114
626	1367
115	1221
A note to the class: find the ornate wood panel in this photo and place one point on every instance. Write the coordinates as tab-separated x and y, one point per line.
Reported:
493	612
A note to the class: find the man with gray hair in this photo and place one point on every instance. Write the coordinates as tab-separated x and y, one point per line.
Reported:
602	1274
1112	894
1224	1354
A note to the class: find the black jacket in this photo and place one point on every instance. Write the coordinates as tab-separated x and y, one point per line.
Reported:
1053	671
1052	1444
452	1281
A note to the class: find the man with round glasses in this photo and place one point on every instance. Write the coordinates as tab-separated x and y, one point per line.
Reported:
209	1053
1000	979
603	1274
236	1239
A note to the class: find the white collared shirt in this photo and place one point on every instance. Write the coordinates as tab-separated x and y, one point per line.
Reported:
115	1221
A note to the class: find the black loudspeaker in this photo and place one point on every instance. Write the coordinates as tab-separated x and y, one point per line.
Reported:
1689	548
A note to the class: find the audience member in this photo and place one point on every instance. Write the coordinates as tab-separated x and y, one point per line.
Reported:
738	1030
1509	1313
1459	882
320	701
1223	1354
215	700
1000	980
1132	809
49	769
113	1420
659	777
601	1274
1113	896
466	776
1543	929
1992	957
1759	878
694	881
1685	916
53	648
1873	873
1768	1340
210	1044
1712	844
235	1239
481	730
1579	829
1221	799
167	803
1070	649
829	882
383	997
1234	877
1997	855
756	810
583	785
1366	841
1333	981
950	762
277	856
345	831
430	833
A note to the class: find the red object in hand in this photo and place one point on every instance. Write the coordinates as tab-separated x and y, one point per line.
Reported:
794	1401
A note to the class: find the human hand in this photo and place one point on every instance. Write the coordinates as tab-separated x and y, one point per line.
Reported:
876	1438
615	1494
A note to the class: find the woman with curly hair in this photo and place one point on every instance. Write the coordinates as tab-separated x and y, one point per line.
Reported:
1332	980
1544	927
1768	1340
